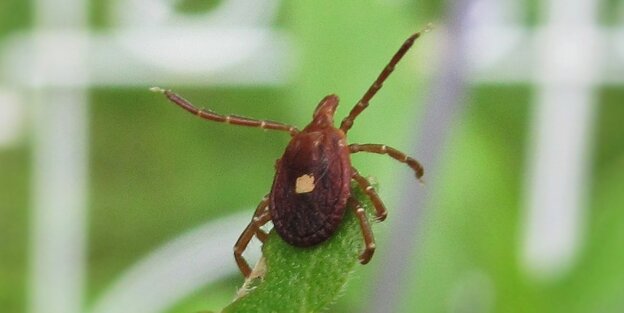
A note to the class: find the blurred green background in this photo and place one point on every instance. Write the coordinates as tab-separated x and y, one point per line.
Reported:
155	171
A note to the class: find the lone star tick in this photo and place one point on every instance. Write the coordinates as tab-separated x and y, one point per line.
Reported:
311	188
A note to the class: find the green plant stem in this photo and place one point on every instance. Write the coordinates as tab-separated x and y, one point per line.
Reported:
305	279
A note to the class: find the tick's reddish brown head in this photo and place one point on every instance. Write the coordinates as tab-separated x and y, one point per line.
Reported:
311	189
324	113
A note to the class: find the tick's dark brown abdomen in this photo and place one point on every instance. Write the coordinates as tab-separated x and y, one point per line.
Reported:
311	187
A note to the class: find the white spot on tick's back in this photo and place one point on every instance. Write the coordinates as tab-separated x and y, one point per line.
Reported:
304	183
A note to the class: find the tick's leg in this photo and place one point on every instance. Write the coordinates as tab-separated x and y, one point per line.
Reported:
380	208
393	153
261	217
228	119
367	233
244	239
347	122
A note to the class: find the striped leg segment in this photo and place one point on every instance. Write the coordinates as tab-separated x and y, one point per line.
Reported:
393	153
347	122
380	208
228	119
261	217
367	233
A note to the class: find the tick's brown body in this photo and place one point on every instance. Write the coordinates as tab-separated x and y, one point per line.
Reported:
320	155
311	189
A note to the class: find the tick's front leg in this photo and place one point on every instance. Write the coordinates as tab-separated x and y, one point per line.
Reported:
227	119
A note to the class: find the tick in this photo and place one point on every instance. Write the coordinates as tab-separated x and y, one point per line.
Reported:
311	189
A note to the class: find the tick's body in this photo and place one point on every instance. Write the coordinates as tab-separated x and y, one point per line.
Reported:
312	184
311	189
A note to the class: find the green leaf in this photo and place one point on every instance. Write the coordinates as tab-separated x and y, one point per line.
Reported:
305	279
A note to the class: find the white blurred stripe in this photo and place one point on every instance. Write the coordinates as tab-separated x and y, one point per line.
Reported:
60	179
177	269
59	190
558	182
207	56
11	116
567	67
57	14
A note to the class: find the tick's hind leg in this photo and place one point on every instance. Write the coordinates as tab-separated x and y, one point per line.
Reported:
228	119
261	217
380	208
393	153
367	233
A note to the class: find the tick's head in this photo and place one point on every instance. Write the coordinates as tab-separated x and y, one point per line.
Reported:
324	113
